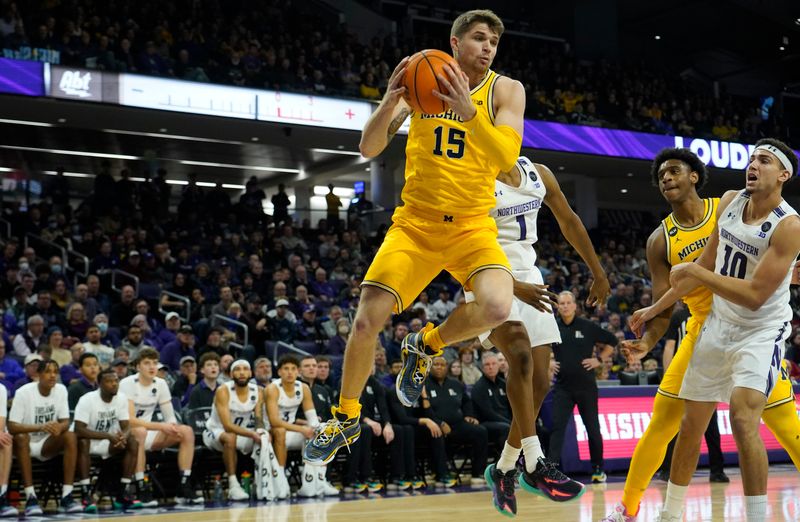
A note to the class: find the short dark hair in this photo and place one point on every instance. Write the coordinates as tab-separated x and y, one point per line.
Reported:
147	353
103	373
309	356
44	364
781	146
684	155
209	356
85	356
323	358
288	359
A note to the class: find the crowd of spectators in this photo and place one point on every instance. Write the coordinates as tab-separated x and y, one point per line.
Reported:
293	46
287	281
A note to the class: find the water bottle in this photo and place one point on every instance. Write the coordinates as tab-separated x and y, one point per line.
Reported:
247	479
218	500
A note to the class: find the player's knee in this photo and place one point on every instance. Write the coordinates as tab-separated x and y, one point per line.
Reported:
187	434
132	443
496	310
83	445
520	360
21	441
366	326
139	434
743	422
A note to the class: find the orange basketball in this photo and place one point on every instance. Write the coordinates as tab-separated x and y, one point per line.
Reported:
420	79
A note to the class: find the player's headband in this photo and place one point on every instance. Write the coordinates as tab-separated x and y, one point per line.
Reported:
239	362
779	154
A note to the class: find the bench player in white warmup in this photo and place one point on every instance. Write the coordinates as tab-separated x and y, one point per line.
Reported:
145	392
232	425
6	441
283	397
531	328
103	429
747	264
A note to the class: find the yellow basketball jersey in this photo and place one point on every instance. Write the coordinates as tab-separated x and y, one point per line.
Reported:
447	172
684	245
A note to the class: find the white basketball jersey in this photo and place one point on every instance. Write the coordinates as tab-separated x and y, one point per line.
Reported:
741	247
287	405
515	211
242	413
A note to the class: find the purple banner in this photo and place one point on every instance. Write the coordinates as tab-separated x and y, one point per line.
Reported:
21	77
628	144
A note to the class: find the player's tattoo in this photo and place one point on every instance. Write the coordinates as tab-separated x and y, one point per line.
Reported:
397	123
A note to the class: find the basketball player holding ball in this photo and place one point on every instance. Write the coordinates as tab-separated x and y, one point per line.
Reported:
452	158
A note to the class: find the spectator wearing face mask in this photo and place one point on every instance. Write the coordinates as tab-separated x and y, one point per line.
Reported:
337	344
108	336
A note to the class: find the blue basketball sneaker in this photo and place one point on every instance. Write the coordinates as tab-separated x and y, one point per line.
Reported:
330	437
416	367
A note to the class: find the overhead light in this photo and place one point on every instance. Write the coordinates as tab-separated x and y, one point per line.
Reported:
235	187
560	168
169	136
240	167
367	169
62	120
206	184
624	191
782	48
797	21
340	147
69	174
177	182
254	138
162	129
658	37
26	122
630	174
321	190
337	151
73	152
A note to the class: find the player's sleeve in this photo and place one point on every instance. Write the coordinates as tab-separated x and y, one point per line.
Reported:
122	407
165	402
21	400
62	408
83	409
3	402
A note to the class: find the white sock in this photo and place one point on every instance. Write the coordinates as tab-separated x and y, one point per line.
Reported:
322	473
673	505
508	458
233	482
3	489
86	482
29	492
139	475
532	449
124	480
756	507
66	490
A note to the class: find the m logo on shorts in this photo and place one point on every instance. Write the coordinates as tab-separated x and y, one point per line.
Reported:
448	219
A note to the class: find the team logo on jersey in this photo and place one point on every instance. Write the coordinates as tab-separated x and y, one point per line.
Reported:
673	232
153	391
766	226
479	102
533	176
452	392
297	393
252	397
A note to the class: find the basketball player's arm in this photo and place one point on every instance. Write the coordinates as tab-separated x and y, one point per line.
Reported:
273	414
387	119
575	233
656	327
770	271
221	402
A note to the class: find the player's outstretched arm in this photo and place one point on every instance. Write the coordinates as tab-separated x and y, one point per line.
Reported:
387	119
575	233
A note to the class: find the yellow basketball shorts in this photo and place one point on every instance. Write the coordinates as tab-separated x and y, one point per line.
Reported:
416	248
673	377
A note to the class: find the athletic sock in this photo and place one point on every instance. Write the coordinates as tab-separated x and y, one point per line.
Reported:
532	449
30	492
350	407
3	489
756	506
66	490
186	474
139	476
233	482
433	342
508	458
673	505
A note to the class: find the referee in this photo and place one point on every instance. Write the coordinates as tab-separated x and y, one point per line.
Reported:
575	381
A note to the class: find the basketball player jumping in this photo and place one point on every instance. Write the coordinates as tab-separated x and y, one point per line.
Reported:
452	160
681	238
526	337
